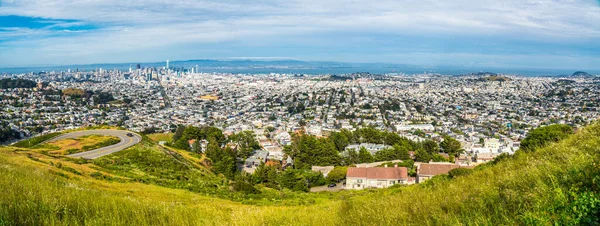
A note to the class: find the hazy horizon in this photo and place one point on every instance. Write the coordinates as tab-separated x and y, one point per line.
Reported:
294	66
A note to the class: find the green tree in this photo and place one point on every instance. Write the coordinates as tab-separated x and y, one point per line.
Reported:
451	146
340	140
243	183
192	132
213	151
292	179
369	135
216	133
223	161
196	147
349	135
182	143
337	174
246	143
385	155
439	158
431	147
365	156
226	163
402	152
307	151
422	156
266	175
178	133
351	157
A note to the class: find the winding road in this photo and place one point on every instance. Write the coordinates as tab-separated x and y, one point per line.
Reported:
126	141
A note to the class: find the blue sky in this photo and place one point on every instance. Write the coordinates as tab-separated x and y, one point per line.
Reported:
558	34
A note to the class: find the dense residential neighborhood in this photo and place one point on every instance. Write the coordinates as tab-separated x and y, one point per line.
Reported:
439	123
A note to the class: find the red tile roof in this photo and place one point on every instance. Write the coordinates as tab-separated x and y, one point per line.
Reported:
378	172
437	169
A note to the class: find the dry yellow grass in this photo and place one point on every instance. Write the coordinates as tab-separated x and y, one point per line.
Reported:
197	160
76	143
161	137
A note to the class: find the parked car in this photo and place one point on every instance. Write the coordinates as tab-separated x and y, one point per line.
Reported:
331	185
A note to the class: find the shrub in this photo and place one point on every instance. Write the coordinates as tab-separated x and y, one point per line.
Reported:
459	172
337	174
543	136
72	151
244	187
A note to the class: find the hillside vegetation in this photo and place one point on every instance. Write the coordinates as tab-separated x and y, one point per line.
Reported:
151	185
557	184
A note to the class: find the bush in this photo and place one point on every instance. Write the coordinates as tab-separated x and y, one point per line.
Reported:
337	174
543	136
72	151
79	161
69	169
244	187
459	172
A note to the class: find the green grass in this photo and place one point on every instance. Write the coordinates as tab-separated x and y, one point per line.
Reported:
147	185
32	196
35	140
149	163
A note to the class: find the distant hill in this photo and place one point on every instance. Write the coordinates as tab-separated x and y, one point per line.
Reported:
480	74
494	79
581	74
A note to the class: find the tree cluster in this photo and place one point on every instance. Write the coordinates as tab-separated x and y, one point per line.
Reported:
80	94
293	179
6	133
307	151
246	143
183	134
9	83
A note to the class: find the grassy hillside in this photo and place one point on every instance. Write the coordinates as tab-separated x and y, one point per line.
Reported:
148	184
556	184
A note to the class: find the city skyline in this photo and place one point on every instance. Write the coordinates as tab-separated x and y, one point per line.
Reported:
282	66
510	34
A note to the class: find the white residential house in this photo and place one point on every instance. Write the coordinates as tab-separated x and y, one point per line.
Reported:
377	177
372	148
493	144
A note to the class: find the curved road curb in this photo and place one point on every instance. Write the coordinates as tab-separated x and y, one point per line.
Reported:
126	142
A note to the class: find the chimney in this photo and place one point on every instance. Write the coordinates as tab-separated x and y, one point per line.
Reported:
396	165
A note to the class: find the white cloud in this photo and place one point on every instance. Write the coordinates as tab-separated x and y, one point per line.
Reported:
137	25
